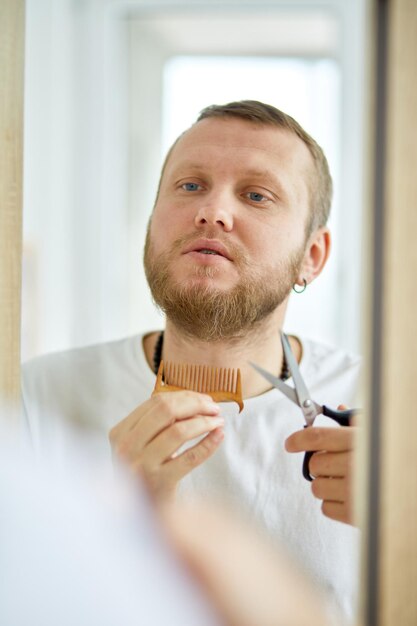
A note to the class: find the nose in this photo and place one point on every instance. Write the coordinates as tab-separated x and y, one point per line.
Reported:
214	213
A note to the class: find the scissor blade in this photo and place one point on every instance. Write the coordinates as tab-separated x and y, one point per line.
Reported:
276	382
310	408
301	389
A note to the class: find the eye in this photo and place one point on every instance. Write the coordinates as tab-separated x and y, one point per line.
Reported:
256	197
191	186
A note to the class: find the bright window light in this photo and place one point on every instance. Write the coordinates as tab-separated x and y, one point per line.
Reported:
307	89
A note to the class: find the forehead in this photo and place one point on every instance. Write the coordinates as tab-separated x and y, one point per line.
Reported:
234	140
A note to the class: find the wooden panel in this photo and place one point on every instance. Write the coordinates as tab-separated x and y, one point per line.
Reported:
11	159
398	495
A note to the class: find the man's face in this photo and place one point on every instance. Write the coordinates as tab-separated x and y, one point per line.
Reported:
228	231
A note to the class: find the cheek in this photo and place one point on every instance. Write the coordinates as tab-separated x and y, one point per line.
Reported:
275	244
164	229
168	217
266	242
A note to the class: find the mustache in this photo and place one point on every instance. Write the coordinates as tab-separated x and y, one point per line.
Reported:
236	252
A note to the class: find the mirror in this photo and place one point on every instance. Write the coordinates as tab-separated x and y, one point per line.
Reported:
108	88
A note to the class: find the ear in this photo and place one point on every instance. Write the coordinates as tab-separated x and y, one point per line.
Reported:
315	257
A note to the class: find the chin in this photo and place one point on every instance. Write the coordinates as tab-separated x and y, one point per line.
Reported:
211	274
216	283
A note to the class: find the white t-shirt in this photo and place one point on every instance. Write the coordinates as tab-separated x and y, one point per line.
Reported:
97	386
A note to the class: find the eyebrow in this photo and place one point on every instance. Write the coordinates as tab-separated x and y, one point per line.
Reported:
270	179
188	165
266	175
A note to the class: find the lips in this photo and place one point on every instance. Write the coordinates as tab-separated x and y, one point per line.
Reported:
208	246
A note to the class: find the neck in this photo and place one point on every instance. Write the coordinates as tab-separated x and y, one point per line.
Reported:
261	345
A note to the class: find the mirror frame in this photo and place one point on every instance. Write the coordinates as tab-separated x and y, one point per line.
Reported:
12	35
389	589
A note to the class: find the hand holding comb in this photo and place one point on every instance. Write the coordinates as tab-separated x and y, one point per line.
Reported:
222	384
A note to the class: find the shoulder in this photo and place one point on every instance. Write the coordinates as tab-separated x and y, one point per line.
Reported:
333	371
83	376
92	386
319	355
79	361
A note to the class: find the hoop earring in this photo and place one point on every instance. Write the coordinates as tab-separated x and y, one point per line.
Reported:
302	288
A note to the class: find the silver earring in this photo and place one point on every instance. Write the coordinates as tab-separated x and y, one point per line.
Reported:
303	288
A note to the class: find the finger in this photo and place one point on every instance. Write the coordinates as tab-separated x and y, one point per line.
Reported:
171	439
339	511
160	411
167	411
184	404
193	457
128	423
331	464
321	438
334	489
140	412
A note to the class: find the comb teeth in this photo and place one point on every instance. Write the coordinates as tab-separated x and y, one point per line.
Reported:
222	384
201	378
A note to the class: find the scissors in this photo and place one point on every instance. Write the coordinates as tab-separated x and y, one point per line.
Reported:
300	395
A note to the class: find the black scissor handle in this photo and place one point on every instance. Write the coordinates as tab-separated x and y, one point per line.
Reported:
341	417
306	462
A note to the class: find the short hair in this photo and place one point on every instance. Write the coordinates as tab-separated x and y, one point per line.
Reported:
320	184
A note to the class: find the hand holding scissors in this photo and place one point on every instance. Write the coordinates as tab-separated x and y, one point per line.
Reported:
299	395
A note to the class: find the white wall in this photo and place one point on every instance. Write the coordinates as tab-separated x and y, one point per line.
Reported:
76	171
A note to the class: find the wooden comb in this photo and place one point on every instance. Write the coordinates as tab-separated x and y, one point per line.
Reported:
222	384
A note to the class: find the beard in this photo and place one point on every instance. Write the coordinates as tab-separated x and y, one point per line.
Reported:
208	313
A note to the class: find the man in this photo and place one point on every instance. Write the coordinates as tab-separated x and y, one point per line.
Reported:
239	219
